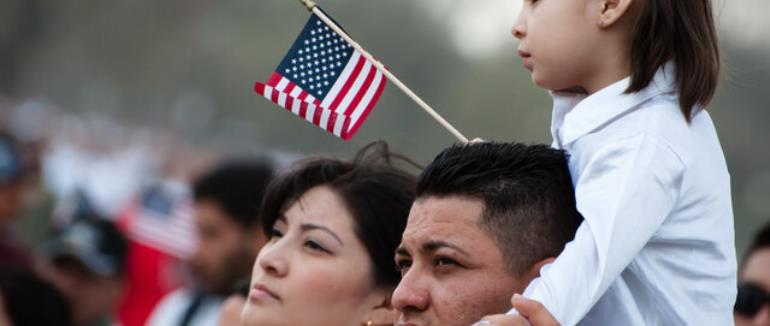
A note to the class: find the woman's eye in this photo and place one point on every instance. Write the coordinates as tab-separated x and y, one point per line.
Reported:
315	246
275	233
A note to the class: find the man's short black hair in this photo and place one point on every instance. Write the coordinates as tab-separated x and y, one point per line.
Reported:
237	186
529	201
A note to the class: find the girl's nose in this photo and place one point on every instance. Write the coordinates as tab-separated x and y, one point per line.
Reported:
519	30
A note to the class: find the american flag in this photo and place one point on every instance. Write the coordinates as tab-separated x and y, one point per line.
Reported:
325	81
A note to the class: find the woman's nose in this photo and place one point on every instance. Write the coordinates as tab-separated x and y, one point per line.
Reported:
272	260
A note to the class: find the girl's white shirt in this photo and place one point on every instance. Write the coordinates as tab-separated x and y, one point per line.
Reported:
657	243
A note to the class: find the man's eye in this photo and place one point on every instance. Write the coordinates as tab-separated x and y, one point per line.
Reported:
403	265
443	261
275	233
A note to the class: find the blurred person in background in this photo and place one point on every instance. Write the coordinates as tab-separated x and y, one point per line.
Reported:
11	191
85	261
752	307
227	223
27	300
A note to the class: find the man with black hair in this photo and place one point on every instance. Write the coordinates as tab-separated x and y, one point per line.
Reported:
752	306
487	217
25	299
227	200
86	262
11	189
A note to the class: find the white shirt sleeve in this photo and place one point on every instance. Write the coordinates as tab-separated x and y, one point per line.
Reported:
625	191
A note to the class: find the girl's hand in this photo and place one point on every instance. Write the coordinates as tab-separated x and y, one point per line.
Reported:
531	313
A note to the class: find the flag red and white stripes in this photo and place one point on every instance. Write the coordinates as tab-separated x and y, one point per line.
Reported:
325	81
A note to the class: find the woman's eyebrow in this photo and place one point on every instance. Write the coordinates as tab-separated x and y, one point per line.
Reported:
309	227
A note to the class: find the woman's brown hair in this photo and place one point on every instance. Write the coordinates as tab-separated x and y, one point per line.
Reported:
682	31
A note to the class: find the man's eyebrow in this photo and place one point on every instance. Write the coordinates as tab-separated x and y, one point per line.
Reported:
434	245
309	227
402	251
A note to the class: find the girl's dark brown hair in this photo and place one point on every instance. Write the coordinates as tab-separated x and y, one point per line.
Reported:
682	31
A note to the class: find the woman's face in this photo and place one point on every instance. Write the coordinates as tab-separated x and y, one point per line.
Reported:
314	270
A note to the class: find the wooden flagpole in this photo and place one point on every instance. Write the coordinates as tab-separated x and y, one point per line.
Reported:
310	5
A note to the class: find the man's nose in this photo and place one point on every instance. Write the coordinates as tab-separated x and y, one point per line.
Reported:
410	295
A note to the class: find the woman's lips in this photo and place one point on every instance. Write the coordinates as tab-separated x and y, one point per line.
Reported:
261	292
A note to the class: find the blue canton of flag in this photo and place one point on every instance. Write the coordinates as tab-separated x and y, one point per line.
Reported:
325	81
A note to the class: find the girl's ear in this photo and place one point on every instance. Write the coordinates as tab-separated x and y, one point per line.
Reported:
611	11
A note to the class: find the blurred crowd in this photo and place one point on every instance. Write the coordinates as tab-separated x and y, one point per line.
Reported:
114	226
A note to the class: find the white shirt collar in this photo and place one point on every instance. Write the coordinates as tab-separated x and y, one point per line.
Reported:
575	115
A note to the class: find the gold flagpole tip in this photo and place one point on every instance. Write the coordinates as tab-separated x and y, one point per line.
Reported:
309	4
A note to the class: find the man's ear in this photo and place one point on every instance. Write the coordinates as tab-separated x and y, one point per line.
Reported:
534	271
611	11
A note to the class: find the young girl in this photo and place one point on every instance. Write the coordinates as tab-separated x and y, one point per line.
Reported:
629	80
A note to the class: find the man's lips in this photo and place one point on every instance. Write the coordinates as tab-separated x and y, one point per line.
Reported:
260	291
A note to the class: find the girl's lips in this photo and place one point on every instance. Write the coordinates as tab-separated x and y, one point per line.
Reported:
260	291
525	59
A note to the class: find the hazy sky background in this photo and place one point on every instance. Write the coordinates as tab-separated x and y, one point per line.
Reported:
480	28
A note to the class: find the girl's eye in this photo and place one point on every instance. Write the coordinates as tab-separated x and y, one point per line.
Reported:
275	233
315	246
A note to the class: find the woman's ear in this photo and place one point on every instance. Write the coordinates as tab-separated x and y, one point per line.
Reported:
611	11
382	313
